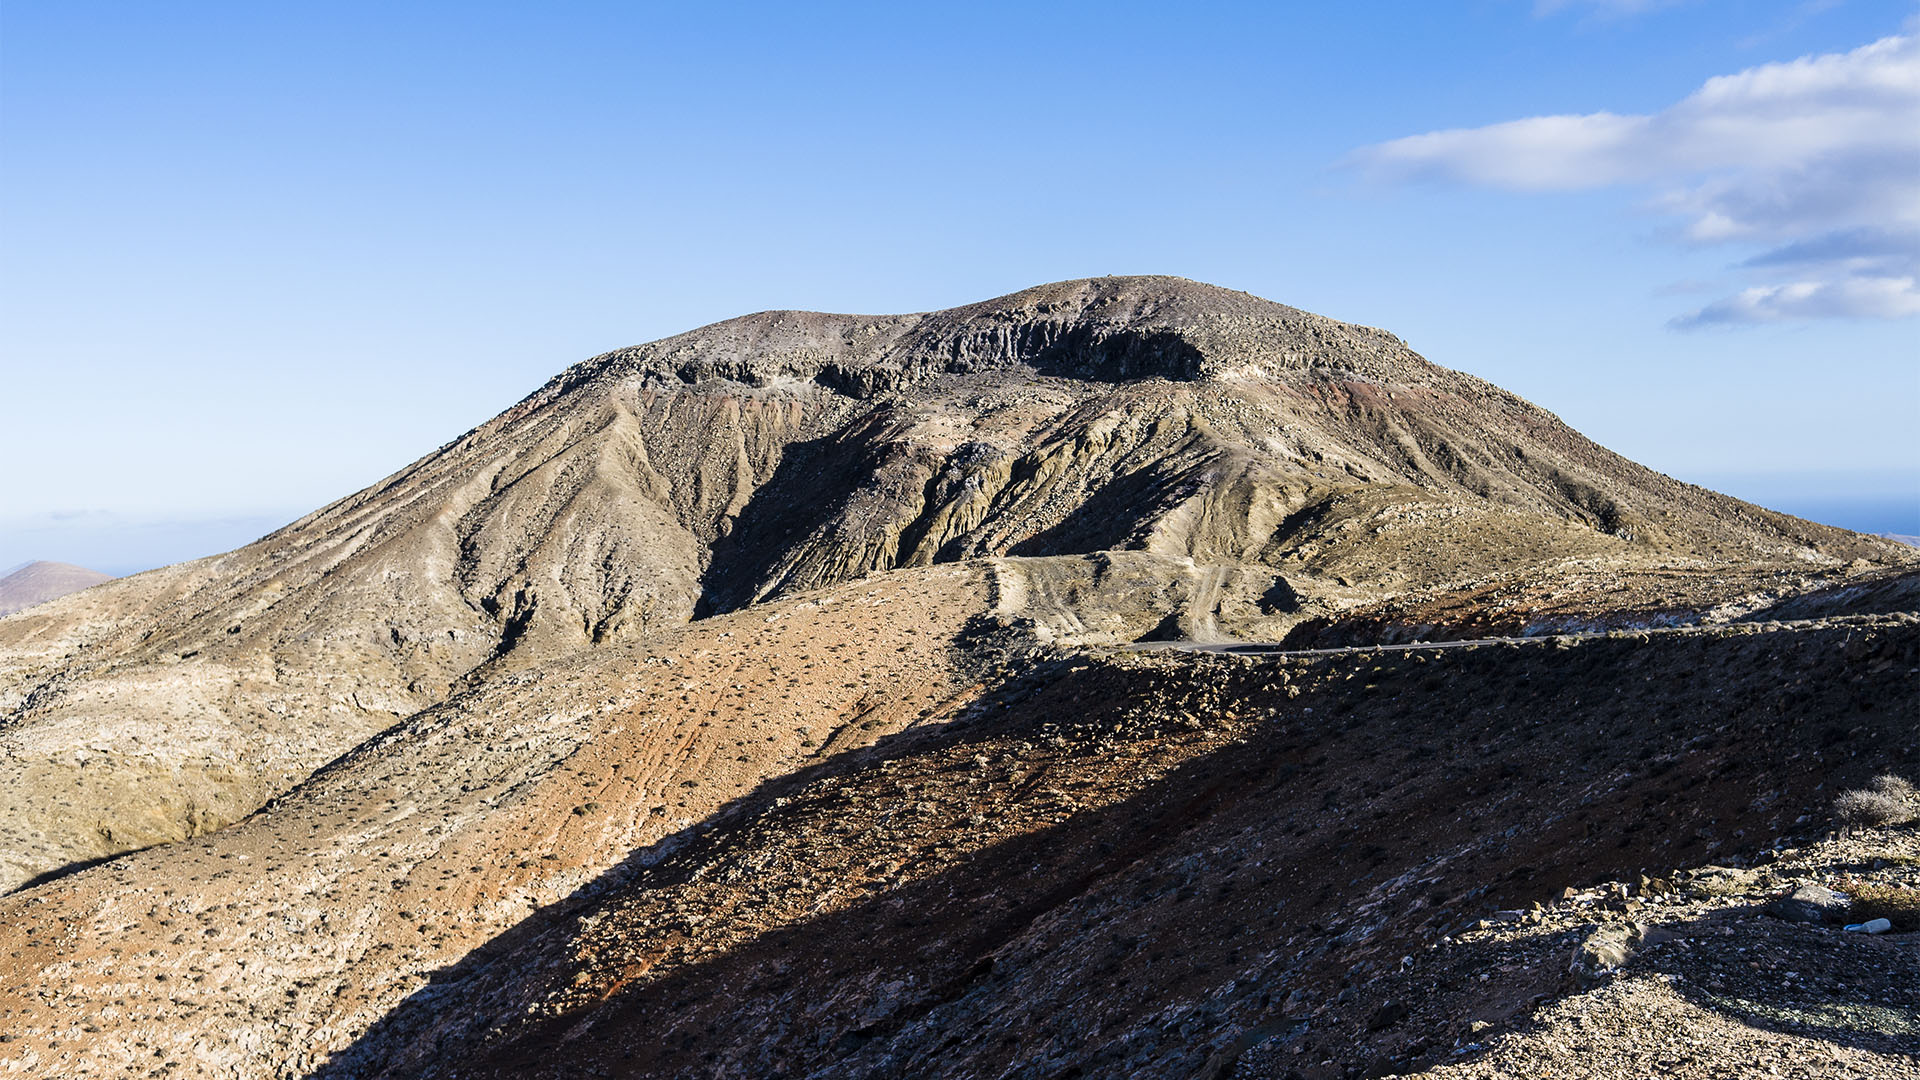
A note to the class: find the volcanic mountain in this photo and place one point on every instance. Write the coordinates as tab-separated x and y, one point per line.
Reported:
414	747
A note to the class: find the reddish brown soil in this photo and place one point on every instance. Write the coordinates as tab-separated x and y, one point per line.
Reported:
1134	865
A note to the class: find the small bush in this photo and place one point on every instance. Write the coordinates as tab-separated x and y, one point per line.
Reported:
1871	808
1897	787
1889	800
1897	904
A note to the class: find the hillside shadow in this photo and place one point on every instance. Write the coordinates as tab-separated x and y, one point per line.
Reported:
1099	354
533	939
1049	952
938	932
788	508
67	870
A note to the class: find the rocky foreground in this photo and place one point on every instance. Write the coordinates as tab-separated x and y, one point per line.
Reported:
1719	971
1151	865
1126	863
840	696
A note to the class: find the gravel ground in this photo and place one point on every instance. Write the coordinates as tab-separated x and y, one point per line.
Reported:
1716	985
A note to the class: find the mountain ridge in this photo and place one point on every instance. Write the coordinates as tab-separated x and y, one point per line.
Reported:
1280	452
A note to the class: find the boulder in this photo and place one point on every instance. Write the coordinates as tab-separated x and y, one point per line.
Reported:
1810	904
1721	881
1605	949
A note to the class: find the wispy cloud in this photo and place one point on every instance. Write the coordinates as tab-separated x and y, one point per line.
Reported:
1865	248
1819	157
1857	297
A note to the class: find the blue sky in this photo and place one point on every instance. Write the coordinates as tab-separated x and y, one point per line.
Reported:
260	255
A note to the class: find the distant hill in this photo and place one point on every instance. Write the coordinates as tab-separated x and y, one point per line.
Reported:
38	582
1911	541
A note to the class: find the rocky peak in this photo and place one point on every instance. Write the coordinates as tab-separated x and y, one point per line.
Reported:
1102	330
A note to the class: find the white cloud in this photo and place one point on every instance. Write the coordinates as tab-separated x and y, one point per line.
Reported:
1779	154
1857	297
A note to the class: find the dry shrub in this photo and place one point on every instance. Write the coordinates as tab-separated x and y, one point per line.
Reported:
1897	787
1889	800
1897	904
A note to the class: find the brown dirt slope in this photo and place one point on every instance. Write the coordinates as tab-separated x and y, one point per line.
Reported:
258	949
1170	865
1236	439
883	829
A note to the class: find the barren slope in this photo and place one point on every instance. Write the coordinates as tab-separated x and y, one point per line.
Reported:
764	701
261	948
1160	866
258	949
674	856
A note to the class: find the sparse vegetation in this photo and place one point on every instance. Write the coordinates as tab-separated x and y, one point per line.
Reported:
1889	800
1897	904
